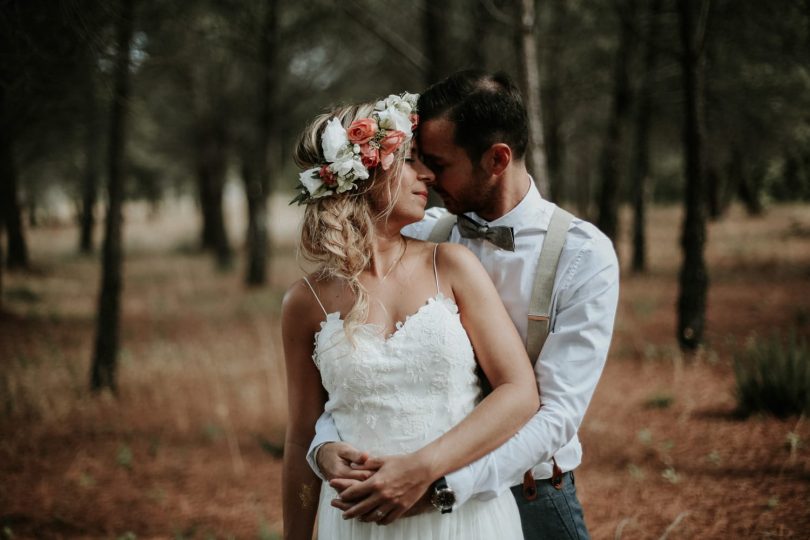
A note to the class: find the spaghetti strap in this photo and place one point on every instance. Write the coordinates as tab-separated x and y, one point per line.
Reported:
316	295
435	273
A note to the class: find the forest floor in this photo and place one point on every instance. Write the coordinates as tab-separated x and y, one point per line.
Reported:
190	447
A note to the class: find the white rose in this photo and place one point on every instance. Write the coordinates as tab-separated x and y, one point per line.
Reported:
393	118
311	179
411	99
335	141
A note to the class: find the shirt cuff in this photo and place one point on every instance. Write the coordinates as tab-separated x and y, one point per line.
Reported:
312	459
462	482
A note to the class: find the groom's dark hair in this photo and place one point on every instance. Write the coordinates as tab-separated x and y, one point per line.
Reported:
485	108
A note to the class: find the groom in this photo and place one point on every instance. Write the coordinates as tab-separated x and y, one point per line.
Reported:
473	134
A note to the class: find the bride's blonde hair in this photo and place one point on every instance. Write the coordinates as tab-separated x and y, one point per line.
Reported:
338	231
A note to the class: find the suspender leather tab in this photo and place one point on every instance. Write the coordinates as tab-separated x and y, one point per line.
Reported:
529	486
556	475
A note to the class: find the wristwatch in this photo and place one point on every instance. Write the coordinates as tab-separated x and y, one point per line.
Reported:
441	496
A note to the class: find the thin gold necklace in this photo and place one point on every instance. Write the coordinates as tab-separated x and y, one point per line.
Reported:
399	259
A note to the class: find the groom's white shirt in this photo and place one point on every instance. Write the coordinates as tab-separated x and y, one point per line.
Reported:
584	299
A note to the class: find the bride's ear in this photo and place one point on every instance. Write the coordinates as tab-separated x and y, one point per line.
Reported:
496	159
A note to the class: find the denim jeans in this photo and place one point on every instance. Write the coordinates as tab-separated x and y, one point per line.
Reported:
554	514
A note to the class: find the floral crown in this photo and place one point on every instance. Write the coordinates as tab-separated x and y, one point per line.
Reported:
350	154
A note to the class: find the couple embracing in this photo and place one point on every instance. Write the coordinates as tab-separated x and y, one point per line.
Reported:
410	313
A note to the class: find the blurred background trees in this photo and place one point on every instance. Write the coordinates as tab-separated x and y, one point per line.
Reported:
220	91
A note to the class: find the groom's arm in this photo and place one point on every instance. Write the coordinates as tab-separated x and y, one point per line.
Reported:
567	371
325	432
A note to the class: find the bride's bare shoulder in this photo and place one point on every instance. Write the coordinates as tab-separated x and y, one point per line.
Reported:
301	307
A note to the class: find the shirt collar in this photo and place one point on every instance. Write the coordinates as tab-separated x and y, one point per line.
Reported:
531	211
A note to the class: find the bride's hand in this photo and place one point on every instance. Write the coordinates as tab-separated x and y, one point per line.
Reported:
398	484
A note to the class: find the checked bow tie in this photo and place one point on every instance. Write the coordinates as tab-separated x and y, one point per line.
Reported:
503	237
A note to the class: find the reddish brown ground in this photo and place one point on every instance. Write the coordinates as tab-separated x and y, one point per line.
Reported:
186	451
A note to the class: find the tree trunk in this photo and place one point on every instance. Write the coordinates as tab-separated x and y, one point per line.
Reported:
435	25
750	187
693	275
6	172
530	81
257	178
103	373
609	163
552	109
211	168
641	146
477	38
17	256
91	167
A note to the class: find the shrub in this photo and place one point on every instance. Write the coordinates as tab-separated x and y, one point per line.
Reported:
773	375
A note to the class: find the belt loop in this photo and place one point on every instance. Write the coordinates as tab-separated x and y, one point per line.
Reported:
529	486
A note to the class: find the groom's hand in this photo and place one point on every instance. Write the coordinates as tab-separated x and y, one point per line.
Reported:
335	460
400	481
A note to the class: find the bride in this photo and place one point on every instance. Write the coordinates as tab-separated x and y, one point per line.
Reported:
382	334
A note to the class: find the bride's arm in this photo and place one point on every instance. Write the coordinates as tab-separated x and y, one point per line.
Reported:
401	480
306	398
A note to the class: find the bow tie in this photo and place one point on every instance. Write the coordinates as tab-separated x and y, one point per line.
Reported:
503	237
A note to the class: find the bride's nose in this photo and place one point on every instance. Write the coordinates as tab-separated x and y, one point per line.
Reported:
424	174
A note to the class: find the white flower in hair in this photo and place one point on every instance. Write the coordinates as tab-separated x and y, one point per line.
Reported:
411	99
393	118
335	141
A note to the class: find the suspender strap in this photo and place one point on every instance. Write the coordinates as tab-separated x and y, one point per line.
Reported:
442	229
540	315
540	303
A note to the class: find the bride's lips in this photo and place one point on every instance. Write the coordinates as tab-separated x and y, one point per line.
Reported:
423	194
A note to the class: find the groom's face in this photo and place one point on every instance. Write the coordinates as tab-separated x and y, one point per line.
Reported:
459	182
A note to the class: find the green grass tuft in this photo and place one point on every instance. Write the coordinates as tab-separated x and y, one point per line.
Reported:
773	375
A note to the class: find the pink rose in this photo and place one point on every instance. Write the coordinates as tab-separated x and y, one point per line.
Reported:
370	156
387	160
327	176
391	142
361	131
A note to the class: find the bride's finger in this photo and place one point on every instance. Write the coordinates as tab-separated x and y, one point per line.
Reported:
341	484
340	505
371	464
390	515
362	508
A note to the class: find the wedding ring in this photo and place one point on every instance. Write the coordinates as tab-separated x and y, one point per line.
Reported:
380	514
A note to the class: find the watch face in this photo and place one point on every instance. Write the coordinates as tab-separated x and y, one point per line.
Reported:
444	498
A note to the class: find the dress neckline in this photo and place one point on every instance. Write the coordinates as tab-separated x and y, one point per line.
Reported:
438	298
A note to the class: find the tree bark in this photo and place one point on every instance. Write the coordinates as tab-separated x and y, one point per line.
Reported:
530	81
551	97
211	168
103	371
257	178
91	167
641	146
609	163
693	276
477	38
435	27
17	256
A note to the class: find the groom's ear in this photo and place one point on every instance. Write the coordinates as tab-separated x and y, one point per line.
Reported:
496	159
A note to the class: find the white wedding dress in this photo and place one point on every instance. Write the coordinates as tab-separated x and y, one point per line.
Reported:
394	395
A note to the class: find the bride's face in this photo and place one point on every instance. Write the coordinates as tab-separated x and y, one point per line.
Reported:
409	190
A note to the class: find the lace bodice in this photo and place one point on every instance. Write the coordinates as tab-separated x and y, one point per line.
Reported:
394	394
